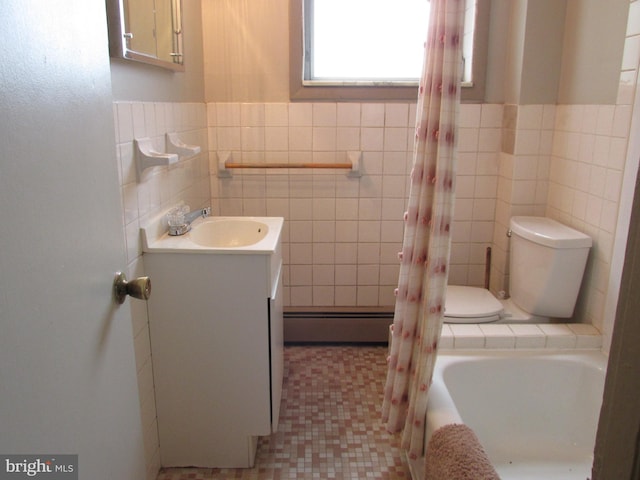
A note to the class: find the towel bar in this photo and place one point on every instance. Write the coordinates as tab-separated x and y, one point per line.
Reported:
288	165
225	163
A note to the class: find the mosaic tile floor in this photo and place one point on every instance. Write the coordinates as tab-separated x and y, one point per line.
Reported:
329	422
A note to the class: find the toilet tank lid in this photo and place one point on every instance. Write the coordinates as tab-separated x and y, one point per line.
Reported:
548	232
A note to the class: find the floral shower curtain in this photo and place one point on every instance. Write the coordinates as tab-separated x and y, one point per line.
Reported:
425	252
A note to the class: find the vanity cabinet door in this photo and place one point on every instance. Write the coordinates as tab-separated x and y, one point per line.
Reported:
218	356
276	350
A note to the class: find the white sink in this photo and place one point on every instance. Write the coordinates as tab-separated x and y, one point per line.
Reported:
228	232
216	235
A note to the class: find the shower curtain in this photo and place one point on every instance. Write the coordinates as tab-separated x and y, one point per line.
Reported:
425	253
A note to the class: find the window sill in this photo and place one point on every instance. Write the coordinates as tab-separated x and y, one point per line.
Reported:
360	91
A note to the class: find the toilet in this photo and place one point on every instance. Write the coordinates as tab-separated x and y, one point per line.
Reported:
547	261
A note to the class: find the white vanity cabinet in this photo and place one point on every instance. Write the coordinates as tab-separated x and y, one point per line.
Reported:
215	322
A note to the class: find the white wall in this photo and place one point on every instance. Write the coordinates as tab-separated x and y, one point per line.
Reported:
138	82
593	45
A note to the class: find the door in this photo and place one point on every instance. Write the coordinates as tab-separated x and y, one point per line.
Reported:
67	372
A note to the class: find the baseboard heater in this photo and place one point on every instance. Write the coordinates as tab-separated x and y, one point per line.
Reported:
353	325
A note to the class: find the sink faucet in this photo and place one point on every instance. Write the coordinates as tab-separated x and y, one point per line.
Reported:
180	221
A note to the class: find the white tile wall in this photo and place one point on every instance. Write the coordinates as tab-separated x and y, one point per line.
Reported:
342	234
566	162
523	176
587	165
159	188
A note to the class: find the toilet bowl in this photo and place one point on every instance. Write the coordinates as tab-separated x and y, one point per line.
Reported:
471	305
547	261
478	305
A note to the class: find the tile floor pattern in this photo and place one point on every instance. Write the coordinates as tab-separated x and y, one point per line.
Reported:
330	425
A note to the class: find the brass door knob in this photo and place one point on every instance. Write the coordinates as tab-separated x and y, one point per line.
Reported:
137	288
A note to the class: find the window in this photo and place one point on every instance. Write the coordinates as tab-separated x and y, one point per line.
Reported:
342	48
340	54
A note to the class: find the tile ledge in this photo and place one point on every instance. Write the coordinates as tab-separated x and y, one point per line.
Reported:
558	336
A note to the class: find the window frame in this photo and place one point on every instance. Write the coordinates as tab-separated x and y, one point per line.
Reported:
318	91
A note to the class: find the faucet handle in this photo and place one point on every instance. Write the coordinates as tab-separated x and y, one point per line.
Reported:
176	216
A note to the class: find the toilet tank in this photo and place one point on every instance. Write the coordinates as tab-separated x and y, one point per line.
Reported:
547	261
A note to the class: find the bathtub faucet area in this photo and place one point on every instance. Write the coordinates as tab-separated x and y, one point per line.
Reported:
180	218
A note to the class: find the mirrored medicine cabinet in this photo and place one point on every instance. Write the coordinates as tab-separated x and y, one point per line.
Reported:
147	31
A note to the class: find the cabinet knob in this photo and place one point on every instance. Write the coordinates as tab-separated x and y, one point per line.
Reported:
137	288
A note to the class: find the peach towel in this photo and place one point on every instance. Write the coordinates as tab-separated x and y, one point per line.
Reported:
455	453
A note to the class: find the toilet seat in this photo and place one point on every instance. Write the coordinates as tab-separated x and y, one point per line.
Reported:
471	305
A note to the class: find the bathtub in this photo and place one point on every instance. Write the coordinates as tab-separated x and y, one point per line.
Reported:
535	413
